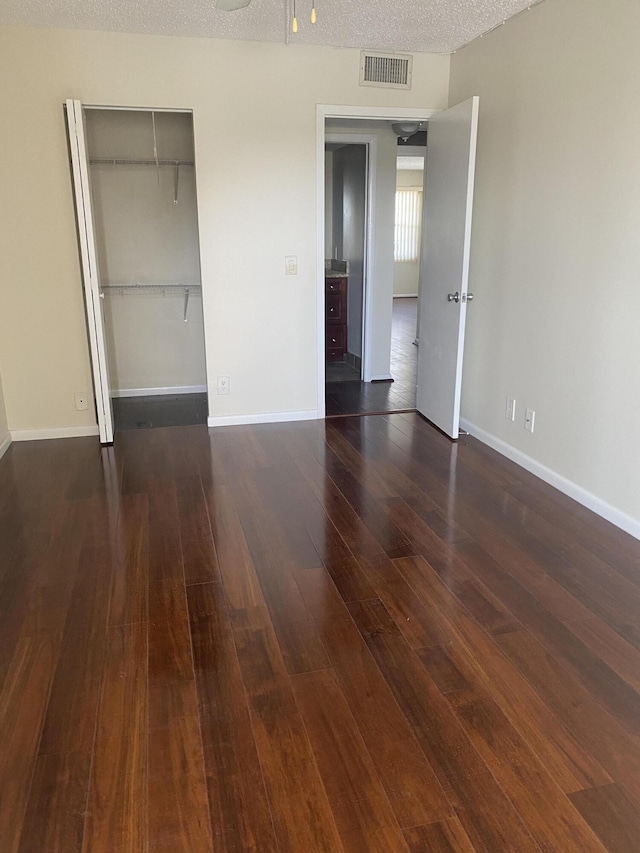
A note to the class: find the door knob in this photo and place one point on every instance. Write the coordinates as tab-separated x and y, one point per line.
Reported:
453	297
467	297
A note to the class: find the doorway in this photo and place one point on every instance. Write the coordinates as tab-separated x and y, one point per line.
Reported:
140	171
444	266
370	357
346	215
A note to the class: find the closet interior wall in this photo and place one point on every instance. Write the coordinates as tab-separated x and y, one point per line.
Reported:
145	238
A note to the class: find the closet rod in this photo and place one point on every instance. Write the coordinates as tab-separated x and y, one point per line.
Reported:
118	161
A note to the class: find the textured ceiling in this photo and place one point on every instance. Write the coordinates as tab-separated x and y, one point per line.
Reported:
433	26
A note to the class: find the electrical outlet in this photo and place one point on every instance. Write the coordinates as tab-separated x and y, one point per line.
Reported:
223	384
529	420
510	411
81	401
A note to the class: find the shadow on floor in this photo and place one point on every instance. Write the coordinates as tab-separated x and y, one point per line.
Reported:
163	410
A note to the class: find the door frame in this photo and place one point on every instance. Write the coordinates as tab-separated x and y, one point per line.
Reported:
357	113
370	142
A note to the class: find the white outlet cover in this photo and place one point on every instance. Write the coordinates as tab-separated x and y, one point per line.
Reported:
510	410
529	420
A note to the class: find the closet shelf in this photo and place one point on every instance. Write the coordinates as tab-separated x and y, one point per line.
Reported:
120	161
123	285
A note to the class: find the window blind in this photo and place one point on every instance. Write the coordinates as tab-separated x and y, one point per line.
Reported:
408	224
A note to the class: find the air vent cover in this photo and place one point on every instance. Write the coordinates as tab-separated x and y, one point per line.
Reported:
385	70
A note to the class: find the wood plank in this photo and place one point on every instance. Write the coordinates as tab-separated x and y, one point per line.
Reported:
611	745
484	811
169	636
447	836
238	574
302	817
275	565
198	550
55	815
548	814
613	816
131	570
23	701
360	807
574	767
165	550
178	802
240	815
117	803
613	692
415	794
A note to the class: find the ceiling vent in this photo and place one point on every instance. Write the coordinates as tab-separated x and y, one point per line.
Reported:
385	70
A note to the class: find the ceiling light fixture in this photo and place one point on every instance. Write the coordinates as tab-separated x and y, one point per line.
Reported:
405	129
294	20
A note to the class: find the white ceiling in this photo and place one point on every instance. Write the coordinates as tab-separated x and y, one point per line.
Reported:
433	26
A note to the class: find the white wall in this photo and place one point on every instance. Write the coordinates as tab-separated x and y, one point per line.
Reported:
349	203
328	204
4	429
144	237
406	274
249	302
555	249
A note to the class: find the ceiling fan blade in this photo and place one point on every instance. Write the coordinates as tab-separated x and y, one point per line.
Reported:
231	5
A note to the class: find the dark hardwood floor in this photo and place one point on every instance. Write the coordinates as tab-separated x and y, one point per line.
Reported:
356	397
339	635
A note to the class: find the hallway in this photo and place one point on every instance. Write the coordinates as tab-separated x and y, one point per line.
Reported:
356	397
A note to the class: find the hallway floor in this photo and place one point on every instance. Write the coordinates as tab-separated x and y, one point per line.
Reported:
351	398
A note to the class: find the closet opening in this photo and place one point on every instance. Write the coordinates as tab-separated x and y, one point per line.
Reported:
142	180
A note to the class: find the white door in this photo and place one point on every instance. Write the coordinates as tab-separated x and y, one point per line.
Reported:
90	271
450	165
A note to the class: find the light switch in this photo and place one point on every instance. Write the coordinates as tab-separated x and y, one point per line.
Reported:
291	264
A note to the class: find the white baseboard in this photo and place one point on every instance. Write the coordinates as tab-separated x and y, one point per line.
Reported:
568	487
150	392
4	445
264	418
405	295
53	432
381	377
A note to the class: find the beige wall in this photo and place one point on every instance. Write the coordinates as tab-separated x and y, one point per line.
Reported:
405	273
268	91
555	248
4	429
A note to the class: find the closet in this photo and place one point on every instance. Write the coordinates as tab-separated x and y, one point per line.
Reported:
143	200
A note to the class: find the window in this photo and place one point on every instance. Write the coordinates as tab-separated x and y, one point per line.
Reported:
408	224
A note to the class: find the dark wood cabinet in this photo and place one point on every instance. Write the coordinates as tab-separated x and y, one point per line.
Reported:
335	312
